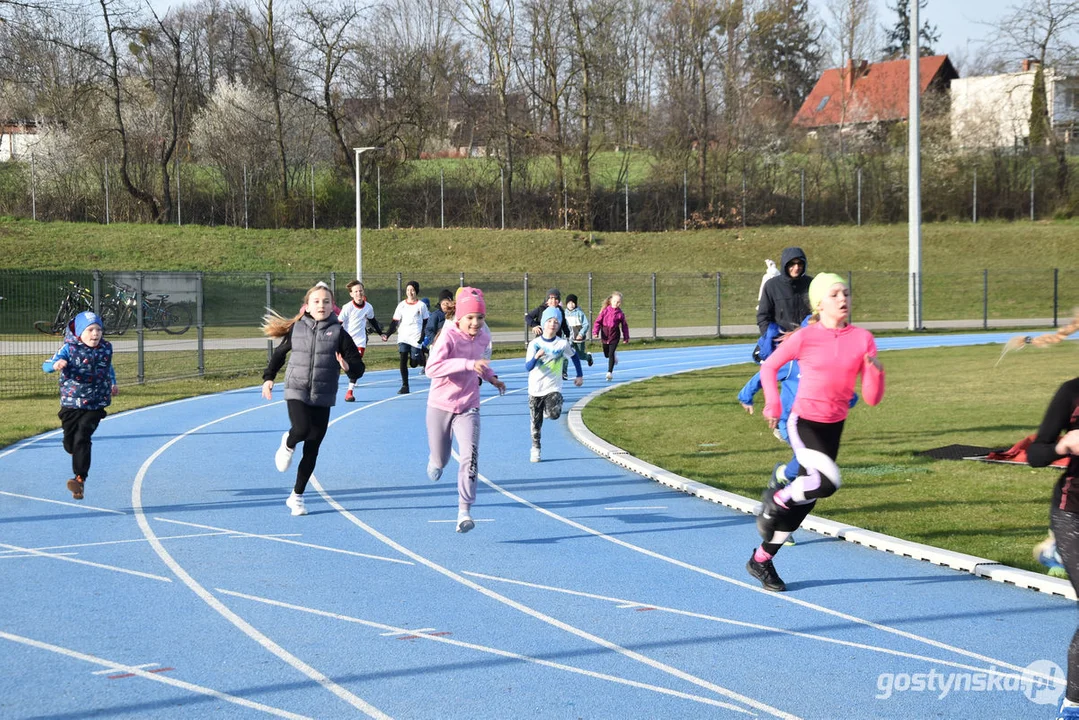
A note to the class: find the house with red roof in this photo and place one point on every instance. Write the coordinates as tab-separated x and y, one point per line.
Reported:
864	94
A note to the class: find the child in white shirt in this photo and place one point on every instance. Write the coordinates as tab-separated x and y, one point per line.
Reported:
543	360
409	321
355	317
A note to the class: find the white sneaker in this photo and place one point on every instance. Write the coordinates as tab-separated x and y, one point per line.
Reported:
777	435
283	457
464	521
433	471
609	377
535	456
295	502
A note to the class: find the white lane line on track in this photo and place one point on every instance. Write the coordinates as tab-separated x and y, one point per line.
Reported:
275	538
629	604
81	506
632	655
110	670
38	553
121	542
785	597
137	670
639	507
478	520
213	602
424	634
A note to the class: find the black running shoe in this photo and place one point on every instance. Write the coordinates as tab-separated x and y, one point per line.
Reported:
766	573
403	390
766	520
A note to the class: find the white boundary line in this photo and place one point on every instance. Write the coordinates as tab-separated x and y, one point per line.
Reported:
424	633
81	506
980	567
54	556
213	602
156	677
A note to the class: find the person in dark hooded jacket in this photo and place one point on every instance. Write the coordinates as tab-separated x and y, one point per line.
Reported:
785	299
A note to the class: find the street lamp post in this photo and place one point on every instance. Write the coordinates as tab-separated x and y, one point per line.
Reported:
359	221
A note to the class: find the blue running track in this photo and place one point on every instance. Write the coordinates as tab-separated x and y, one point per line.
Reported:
182	587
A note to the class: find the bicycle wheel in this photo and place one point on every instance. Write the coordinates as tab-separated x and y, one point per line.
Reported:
175	319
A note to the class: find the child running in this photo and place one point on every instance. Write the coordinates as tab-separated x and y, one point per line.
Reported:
355	318
606	327
543	361
456	364
577	322
320	350
1058	437
409	322
831	353
87	386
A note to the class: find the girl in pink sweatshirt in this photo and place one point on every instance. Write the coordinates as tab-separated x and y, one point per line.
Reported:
459	358
831	353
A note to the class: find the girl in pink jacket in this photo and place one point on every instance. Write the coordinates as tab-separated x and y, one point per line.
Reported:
609	321
459	358
831	353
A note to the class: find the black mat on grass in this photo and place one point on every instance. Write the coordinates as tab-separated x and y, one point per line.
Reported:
957	452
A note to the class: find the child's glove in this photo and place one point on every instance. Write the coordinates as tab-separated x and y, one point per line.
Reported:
115	390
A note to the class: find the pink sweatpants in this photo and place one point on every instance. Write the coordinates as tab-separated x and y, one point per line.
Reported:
442	426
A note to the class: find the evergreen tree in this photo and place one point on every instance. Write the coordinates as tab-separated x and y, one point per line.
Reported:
1039	112
898	36
784	53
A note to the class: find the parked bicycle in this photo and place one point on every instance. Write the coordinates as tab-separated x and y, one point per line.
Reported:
78	299
157	312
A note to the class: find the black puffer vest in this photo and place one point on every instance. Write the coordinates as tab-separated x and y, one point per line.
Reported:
313	370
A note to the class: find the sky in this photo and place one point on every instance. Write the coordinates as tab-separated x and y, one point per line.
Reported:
963	25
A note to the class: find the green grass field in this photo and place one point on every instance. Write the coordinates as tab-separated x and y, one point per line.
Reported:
693	425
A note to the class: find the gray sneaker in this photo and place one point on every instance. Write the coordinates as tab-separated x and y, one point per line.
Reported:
433	471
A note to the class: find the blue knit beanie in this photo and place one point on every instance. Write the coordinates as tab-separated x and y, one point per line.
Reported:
85	319
551	312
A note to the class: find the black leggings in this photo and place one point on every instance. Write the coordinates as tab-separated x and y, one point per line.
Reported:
79	426
814	436
1065	527
309	423
608	352
411	358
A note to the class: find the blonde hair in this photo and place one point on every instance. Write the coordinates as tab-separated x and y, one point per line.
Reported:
607	300
1021	341
276	325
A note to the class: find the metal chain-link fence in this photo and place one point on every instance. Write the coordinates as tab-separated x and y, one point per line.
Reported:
175	325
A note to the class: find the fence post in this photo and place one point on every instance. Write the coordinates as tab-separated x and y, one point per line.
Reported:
850	290
97	294
199	299
1032	194
269	304
442	195
526	307
106	191
685	200
333	282
654	334
719	305
985	299
627	205
140	330
246	224
1056	297
33	187
502	188
974	210
312	196
461	279
378	191
590	315
859	197
398	287
179	221
802	185
743	198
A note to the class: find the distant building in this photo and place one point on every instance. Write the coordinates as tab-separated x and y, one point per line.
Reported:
861	94
994	110
17	137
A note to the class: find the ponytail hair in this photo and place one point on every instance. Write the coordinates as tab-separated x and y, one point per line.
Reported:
1020	341
276	325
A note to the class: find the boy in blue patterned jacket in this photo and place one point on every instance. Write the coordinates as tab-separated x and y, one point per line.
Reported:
87	384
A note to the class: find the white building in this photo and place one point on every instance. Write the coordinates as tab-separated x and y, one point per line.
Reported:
16	139
994	110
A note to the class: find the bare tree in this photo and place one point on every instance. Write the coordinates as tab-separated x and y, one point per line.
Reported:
852	30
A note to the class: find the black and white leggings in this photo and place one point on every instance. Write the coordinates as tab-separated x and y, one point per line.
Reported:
816	445
1065	527
308	426
549	406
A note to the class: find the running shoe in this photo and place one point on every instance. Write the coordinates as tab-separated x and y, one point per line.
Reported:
77	486
349	397
283	457
534	456
295	503
766	573
433	471
1046	553
464	521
